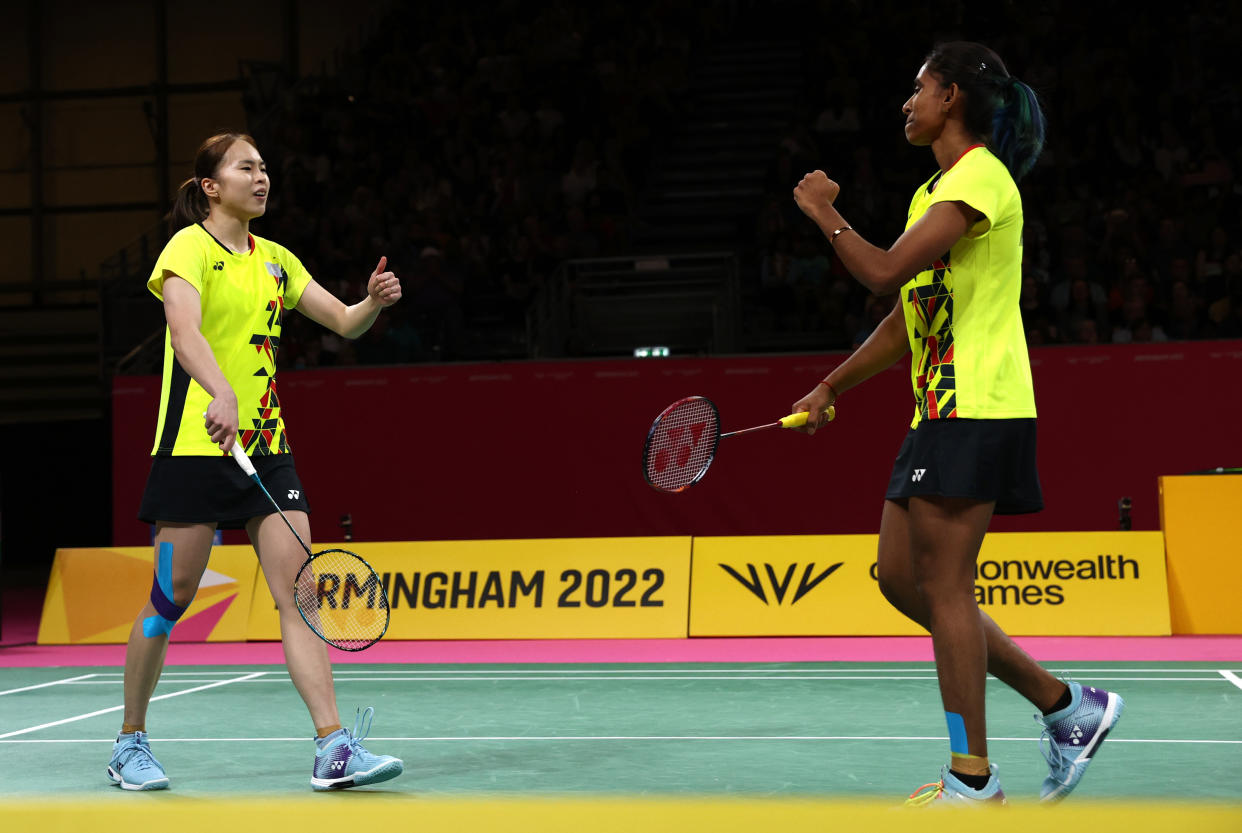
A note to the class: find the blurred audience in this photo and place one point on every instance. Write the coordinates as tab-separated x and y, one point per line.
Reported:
478	146
481	145
1134	213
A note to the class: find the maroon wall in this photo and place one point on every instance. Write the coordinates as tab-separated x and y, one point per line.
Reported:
548	449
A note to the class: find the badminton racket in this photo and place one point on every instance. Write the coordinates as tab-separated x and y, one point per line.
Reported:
682	442
338	593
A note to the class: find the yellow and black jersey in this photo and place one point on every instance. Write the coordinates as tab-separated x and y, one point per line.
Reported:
962	316
243	297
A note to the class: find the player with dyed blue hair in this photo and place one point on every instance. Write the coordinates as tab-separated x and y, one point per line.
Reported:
970	450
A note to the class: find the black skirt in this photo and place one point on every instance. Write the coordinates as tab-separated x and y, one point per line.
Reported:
216	490
981	459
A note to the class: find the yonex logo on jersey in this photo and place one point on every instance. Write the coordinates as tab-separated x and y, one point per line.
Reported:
294	494
218	265
918	475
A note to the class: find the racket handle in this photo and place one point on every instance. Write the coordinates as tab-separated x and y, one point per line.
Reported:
799	419
244	461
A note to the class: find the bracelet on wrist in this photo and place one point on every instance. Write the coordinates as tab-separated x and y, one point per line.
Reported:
831	389
832	238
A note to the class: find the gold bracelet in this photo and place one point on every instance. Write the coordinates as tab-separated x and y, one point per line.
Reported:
832	238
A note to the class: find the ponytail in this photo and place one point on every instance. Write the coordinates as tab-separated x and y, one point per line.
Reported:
1018	128
190	205
1000	109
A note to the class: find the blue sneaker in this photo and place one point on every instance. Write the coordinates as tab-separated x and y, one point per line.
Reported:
341	761
133	767
1074	735
953	791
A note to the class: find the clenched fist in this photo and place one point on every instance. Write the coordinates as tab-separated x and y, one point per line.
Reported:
814	192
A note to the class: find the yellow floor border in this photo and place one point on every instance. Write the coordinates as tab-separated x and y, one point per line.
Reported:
168	811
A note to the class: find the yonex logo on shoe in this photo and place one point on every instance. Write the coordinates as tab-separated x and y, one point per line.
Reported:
918	475
1075	735
338	764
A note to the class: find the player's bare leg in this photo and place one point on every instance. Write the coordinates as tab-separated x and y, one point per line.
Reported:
306	654
181	553
144	655
1006	661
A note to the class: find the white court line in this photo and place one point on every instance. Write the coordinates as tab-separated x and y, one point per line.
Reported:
546	738
1231	677
119	708
688	669
66	681
343	672
451	677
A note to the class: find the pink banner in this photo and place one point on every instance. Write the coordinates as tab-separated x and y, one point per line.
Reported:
553	449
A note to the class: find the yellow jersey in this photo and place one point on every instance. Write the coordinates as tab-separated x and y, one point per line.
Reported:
969	357
243	298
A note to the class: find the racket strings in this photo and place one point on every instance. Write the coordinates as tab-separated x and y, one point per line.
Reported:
681	444
342	600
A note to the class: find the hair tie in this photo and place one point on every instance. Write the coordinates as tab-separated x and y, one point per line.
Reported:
992	76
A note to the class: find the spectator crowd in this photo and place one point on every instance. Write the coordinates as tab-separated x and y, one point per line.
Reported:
479	146
1133	217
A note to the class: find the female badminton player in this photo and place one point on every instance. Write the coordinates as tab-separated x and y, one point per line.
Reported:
225	292
970	451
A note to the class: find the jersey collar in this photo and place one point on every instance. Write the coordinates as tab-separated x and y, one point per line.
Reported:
935	180
249	239
963	154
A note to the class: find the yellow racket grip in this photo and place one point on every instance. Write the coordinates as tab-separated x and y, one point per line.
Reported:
799	419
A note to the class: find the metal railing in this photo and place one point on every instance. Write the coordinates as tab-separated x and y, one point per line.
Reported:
689	303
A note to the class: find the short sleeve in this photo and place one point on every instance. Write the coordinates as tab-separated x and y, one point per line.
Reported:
974	182
185	257
296	276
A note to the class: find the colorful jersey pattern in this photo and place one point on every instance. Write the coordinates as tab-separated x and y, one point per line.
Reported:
243	299
969	356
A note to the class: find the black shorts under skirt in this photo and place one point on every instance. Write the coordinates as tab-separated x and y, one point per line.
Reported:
216	490
981	459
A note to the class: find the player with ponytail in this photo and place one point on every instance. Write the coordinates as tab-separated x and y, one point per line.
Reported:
970	450
225	292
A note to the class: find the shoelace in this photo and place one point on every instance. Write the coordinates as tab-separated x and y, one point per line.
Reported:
1052	750
137	748
362	721
925	794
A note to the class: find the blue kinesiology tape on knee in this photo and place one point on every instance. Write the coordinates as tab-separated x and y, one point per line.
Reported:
957	734
167	612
